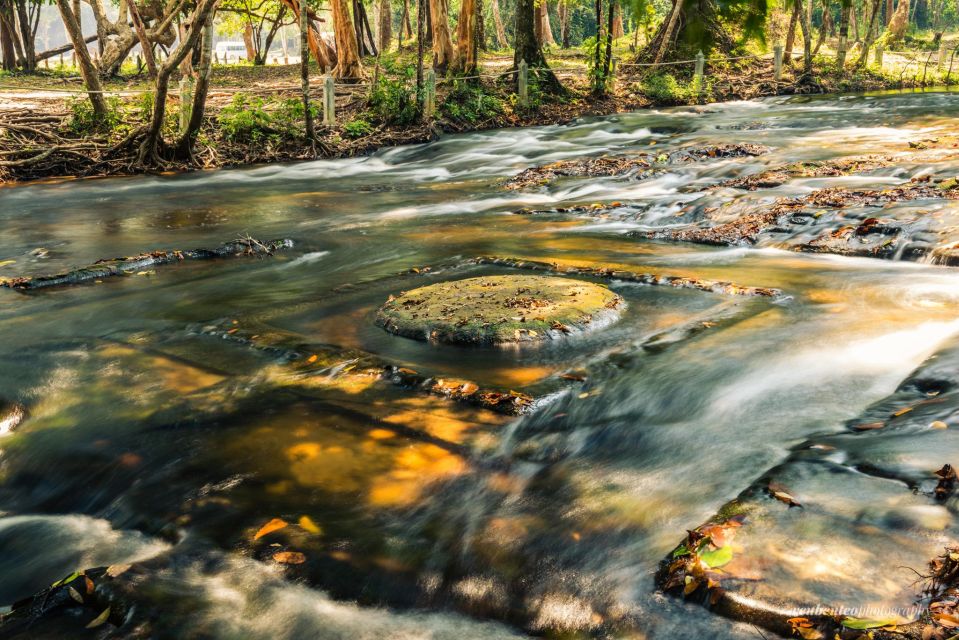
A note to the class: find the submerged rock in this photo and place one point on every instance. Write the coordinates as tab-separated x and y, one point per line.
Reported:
499	310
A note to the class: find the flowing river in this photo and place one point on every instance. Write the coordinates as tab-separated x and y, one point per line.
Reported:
156	441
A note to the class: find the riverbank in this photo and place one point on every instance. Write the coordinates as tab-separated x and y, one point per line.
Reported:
254	115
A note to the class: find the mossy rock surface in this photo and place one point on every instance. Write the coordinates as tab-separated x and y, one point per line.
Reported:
499	310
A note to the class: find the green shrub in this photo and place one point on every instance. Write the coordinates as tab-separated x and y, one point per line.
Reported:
245	119
664	88
83	120
357	128
394	101
470	103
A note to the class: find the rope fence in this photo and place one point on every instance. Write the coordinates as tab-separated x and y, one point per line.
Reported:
329	85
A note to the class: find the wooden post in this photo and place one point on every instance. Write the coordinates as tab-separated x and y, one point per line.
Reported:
329	101
429	99
186	103
61	60
778	62
698	73
612	74
879	56
523	83
941	62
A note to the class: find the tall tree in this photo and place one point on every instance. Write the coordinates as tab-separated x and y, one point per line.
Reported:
87	69
900	20
694	25
501	41
466	37
204	70
444	55
348	65
527	48
844	11
384	20
870	33
544	31
152	145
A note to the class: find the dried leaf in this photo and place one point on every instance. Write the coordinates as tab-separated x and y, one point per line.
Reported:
938	424
75	594
289	557
100	619
868	623
306	522
313	358
273	525
116	569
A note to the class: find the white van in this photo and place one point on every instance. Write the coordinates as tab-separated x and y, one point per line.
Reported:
226	51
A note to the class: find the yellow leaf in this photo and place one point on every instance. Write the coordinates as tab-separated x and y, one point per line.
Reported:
4	263
311	359
902	412
939	424
100	619
75	594
116	569
289	557
306	522
273	525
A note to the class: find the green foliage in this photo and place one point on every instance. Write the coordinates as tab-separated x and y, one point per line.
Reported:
143	105
245	119
470	103
357	128
663	88
252	119
394	100
83	120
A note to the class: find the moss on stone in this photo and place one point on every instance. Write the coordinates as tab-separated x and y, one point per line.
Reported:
499	310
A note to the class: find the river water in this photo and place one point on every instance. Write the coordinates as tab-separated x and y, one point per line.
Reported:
150	441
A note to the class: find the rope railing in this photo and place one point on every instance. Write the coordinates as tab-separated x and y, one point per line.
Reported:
328	86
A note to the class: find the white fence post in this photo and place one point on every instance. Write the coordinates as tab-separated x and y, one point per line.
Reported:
429	100
329	101
698	73
879	56
523	83
186	103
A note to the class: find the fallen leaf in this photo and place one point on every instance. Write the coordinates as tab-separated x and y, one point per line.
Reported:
869	426
312	359
939	424
70	578
902	411
100	619
717	557
306	522
289	557
75	594
868	623
273	525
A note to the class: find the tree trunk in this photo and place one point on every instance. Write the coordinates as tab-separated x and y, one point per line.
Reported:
900	20
420	46
807	38
617	30
544	31
564	11
385	25
89	72
501	40
184	146
305	29
526	47
444	55
608	57
27	35
348	66
149	148
843	32
870	33
791	34
363	26
890	11
466	38
7	47
669	33
247	41
145	45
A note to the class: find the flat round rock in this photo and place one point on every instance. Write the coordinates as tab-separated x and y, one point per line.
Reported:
499	310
